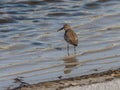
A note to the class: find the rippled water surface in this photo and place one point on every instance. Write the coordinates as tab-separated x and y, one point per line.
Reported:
31	47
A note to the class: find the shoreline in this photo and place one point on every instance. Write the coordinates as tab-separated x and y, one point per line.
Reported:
72	82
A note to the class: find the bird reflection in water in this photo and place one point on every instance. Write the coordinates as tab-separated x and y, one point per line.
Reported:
70	64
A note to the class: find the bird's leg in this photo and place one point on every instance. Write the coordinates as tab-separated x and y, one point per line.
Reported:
68	49
74	49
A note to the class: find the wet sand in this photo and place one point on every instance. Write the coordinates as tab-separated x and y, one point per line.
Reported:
65	84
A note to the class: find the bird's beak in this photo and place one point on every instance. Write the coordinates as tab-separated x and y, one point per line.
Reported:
60	29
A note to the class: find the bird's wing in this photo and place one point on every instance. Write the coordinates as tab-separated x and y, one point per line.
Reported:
71	37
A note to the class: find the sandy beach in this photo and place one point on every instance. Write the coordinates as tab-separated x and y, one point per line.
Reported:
111	85
94	81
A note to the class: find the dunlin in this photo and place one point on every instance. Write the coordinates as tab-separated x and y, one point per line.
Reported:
70	36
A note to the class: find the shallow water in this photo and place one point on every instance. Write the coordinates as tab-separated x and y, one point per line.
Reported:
31	47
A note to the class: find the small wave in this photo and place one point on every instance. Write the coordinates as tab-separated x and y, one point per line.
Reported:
39	2
7	20
100	50
103	0
69	14
7	30
31	2
114	27
102	58
93	5
37	43
13	47
58	14
53	0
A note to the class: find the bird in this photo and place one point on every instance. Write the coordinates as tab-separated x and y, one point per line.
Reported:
70	37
